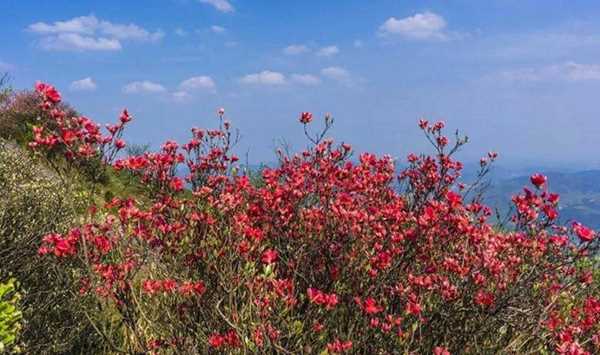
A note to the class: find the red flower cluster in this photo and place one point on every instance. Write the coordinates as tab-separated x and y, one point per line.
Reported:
50	94
369	306
338	346
59	245
529	204
76	137
186	288
484	299
269	256
227	340
321	298
585	234
569	326
403	269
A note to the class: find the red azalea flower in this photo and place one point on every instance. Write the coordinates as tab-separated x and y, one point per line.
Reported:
120	144
176	184
413	308
186	288
169	285
439	125
442	141
216	340
371	307
453	198
199	288
322	298
49	92
317	327
151	286
338	346
53	95
550	212
314	295
440	350
585	234
538	180
305	117
125	117
269	256
553	198
68	137
484	298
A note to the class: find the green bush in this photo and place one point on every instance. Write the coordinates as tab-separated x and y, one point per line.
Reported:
34	201
10	316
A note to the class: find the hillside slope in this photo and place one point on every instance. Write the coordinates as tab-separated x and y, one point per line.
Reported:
579	191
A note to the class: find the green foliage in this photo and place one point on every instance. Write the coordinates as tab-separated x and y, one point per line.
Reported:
10	316
34	202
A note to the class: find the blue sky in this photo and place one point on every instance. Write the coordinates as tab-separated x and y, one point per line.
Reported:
519	77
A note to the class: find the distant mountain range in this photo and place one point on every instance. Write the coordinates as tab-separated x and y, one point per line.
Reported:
579	194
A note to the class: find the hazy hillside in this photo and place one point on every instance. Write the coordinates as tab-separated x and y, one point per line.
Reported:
580	194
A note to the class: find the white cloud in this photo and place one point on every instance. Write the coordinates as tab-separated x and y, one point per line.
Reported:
86	84
129	32
77	42
423	26
217	29
198	82
82	25
180	32
358	43
221	5
569	71
145	86
265	77
328	51
305	79
336	73
295	49
90	33
575	71
181	96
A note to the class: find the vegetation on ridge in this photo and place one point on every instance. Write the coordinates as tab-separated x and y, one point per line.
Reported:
321	255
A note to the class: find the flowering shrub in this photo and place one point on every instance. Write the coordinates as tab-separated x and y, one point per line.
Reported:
324	254
19	111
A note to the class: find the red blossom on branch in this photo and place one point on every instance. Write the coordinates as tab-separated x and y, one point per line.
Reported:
305	117
538	180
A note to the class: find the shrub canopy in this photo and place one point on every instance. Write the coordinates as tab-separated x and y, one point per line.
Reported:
323	254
